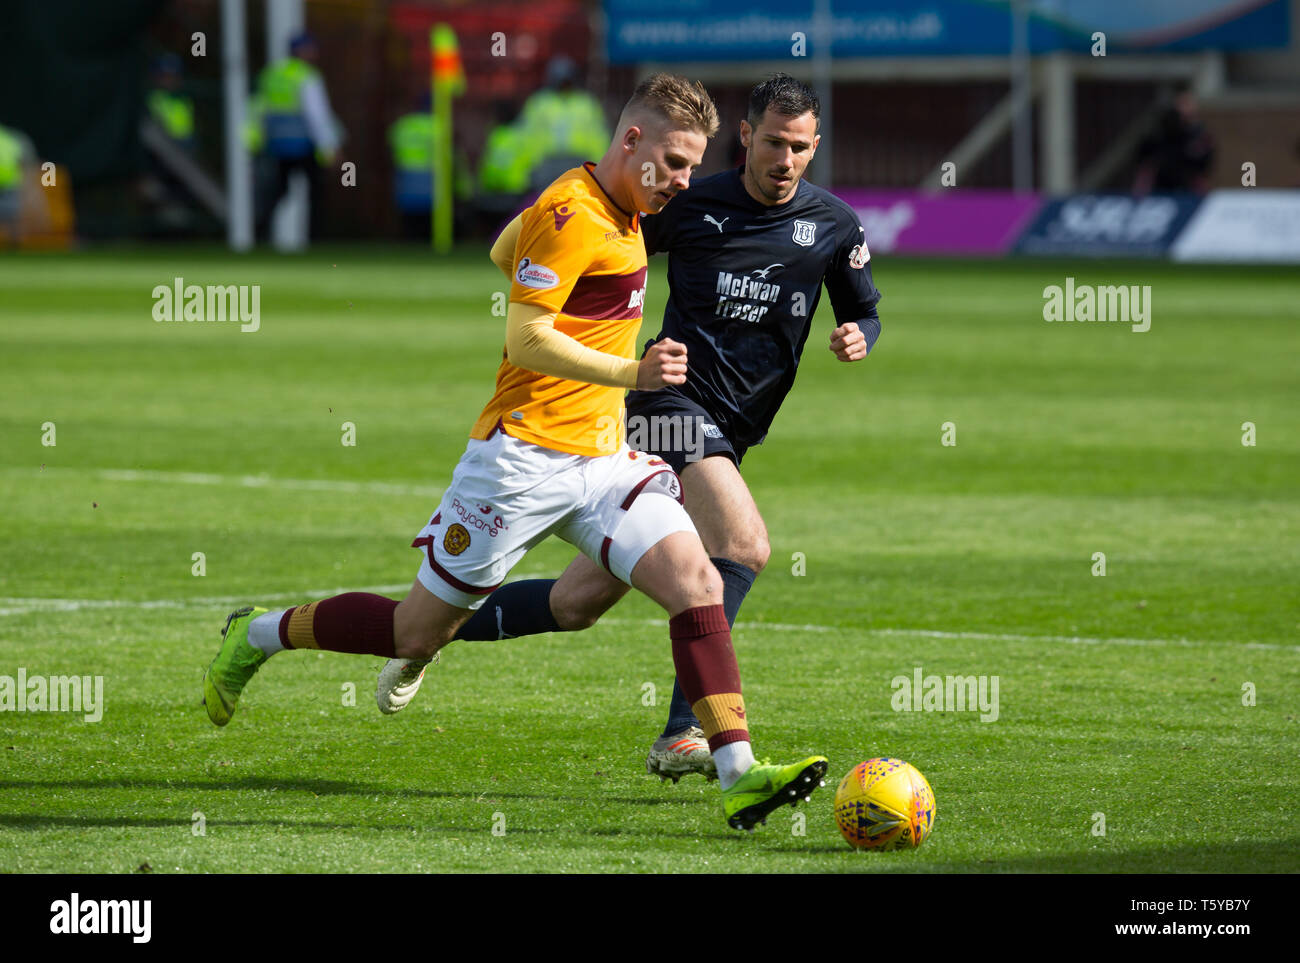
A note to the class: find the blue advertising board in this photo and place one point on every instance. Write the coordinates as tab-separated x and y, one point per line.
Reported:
680	30
1108	225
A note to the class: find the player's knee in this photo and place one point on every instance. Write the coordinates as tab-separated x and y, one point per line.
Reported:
418	638
574	615
574	620
415	645
574	611
701	585
751	549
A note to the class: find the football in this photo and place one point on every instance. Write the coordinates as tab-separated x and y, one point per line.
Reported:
884	804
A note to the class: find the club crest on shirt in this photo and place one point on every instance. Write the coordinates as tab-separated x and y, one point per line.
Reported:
532	275
803	232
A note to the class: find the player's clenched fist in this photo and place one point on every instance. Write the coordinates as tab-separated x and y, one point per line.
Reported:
664	364
849	343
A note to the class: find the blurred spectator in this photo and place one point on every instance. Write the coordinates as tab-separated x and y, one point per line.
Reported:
504	169
172	113
1178	155
170	110
17	155
412	139
564	124
35	198
507	156
297	129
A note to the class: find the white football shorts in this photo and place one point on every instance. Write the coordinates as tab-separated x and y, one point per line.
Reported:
507	495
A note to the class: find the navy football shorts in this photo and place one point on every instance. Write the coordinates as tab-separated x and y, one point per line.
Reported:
667	424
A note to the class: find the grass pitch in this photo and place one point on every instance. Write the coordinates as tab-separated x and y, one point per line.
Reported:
1121	697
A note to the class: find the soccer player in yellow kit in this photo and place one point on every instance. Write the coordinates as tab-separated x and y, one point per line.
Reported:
547	456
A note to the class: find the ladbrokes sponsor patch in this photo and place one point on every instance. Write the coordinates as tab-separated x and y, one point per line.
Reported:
533	275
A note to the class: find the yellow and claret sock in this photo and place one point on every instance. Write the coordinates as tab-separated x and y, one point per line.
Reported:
708	673
356	622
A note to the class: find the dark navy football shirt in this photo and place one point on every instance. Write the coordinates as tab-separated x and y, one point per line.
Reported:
744	281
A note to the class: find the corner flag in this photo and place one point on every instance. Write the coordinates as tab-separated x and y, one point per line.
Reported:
447	78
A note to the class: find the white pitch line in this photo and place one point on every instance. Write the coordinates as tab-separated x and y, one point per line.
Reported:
255	481
27	605
774	626
981	636
1079	639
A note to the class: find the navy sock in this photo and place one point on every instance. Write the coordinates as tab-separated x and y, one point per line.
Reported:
737	580
517	608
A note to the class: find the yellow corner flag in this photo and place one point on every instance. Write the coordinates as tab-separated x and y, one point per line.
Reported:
447	78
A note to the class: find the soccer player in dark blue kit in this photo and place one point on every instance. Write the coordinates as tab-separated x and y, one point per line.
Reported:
749	251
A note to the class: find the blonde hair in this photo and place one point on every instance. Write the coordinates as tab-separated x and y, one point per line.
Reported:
680	103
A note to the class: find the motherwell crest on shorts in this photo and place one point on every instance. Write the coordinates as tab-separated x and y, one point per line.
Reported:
803	232
456	540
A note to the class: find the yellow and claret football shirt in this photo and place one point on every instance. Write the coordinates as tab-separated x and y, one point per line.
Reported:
582	257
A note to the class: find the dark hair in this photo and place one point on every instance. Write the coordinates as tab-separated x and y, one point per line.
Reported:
786	96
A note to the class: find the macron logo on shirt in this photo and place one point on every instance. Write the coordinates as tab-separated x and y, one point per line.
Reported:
538	276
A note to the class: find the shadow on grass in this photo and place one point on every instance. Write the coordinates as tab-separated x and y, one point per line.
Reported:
1256	857
35	822
331	787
